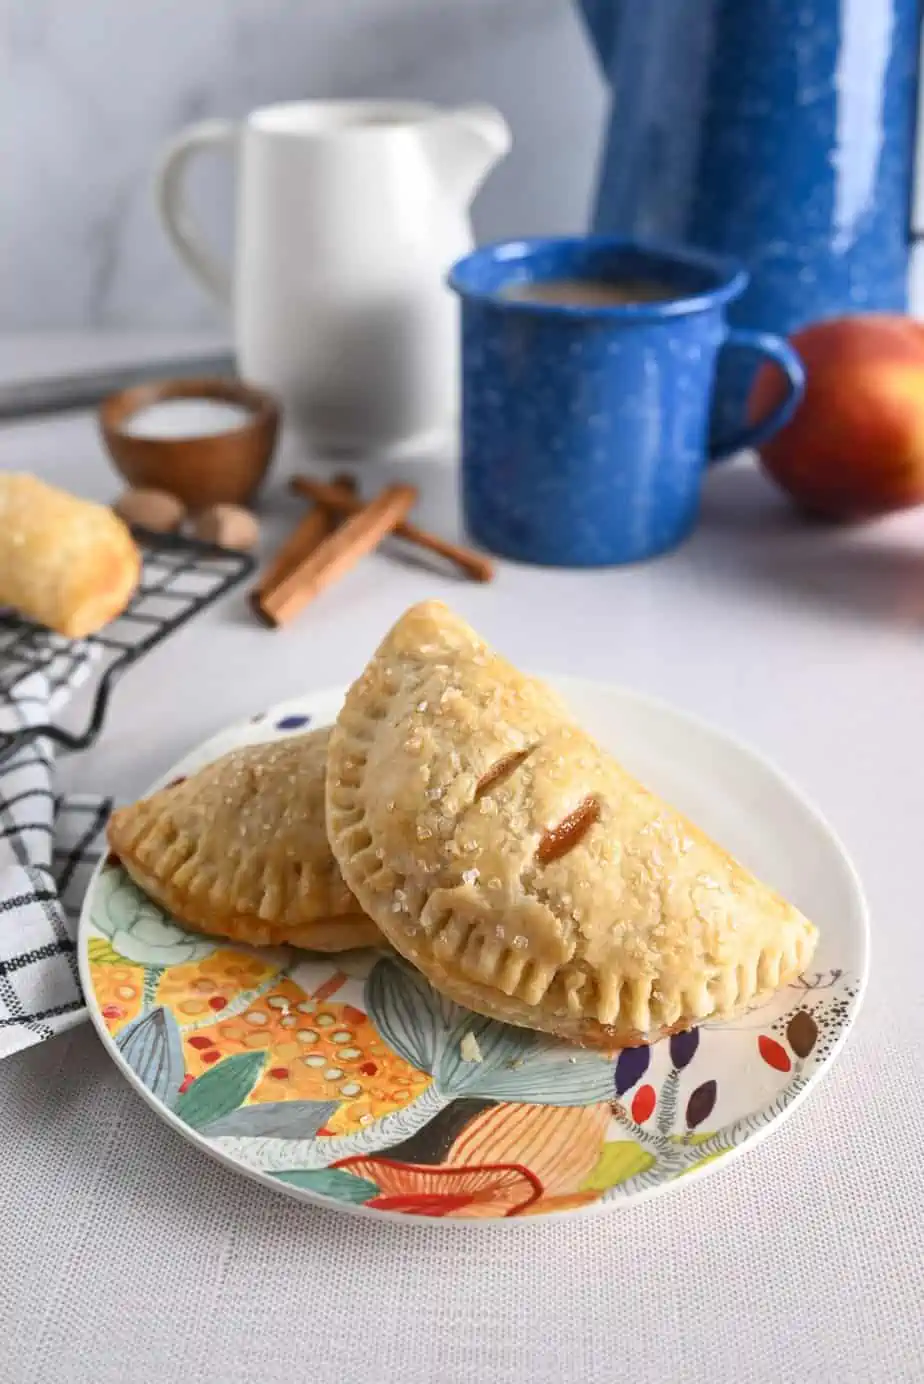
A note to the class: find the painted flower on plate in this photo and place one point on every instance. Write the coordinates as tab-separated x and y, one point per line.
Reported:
510	1160
418	1190
139	930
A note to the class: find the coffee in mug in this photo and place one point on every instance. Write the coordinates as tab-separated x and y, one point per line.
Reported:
590	293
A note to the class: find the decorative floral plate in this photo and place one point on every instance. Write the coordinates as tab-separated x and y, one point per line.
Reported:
344	1080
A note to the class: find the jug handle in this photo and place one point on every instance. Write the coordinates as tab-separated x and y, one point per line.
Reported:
774	348
170	193
465	144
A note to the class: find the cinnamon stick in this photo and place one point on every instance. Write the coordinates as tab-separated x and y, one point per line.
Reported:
304	538
338	552
471	563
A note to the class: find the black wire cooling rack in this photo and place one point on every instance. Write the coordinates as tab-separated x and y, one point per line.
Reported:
180	577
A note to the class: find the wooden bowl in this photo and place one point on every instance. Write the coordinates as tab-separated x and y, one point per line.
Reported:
206	469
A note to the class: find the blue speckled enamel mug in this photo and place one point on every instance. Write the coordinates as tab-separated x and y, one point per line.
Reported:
585	429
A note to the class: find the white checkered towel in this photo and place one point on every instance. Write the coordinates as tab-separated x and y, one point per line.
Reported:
48	846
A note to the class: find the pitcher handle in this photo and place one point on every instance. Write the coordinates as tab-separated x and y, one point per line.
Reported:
170	192
774	348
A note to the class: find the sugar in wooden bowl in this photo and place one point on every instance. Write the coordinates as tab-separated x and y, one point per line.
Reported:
186	418
206	441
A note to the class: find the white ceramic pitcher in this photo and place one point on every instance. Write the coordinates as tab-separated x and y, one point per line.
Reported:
348	216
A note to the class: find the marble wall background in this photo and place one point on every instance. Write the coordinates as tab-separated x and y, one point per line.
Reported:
90	90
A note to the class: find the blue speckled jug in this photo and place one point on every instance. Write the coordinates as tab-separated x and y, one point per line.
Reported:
584	428
777	131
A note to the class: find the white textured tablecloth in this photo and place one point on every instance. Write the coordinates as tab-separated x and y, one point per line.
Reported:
126	1257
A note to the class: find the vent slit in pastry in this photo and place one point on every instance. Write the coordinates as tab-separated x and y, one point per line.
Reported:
571	830
500	771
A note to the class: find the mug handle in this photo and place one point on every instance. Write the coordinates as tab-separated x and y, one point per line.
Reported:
779	351
170	193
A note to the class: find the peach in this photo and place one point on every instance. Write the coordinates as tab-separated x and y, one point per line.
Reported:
855	446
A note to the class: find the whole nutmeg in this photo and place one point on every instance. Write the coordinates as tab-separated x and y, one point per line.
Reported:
151	509
229	526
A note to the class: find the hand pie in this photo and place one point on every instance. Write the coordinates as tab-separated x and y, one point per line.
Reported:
522	869
66	563
239	850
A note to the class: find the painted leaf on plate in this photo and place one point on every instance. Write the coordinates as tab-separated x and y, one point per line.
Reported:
220	1090
498	1047
331	1182
773	1053
701	1103
545	1072
643	1103
293	722
152	1047
683	1047
413	1019
802	1033
631	1066
283	1119
617	1163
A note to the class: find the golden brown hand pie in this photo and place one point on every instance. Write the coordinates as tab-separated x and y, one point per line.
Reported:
239	850
65	563
522	869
